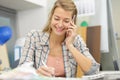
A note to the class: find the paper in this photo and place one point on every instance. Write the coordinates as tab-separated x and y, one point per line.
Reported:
17	53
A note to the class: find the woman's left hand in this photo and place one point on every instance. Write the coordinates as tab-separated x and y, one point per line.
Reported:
70	34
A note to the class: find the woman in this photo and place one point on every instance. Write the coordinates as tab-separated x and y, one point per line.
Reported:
58	45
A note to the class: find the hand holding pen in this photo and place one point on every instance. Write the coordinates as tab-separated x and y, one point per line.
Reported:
50	68
45	70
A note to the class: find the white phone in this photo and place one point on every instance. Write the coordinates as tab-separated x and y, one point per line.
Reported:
67	33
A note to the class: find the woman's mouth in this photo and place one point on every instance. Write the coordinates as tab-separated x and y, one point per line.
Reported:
59	29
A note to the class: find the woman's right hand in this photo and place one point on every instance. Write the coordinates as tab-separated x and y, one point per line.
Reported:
46	71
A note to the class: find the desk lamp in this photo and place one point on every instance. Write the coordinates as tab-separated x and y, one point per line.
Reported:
5	35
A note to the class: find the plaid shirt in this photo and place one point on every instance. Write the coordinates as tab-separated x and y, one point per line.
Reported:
36	48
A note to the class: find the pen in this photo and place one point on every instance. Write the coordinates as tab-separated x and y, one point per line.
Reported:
44	64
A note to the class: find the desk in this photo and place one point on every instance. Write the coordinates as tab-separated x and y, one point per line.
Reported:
27	76
104	75
27	72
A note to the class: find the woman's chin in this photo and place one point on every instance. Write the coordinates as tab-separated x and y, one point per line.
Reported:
59	33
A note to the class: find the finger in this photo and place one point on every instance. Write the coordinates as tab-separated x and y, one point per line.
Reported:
70	29
73	28
72	23
47	69
69	32
44	71
50	70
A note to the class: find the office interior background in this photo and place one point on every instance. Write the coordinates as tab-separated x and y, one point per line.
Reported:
25	15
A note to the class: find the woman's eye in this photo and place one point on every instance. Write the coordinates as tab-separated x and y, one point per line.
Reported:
56	19
67	21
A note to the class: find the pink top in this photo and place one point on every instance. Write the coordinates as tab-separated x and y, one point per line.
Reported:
58	64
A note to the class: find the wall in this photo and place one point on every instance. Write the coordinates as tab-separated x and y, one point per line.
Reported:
100	18
116	14
116	21
38	2
31	19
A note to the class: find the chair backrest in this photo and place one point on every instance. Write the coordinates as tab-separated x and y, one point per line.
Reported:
81	31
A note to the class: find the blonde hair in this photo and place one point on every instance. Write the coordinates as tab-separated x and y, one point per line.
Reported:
67	5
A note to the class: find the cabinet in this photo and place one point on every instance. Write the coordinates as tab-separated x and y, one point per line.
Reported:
82	31
93	41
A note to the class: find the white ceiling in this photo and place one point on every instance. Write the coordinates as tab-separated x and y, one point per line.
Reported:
18	4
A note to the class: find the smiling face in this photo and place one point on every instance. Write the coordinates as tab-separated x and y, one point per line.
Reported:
60	21
62	12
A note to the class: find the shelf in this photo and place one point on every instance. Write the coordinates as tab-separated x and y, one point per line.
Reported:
22	4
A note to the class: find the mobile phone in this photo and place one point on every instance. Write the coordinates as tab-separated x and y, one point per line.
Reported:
73	18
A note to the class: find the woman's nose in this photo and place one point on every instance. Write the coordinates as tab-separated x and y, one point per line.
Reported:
60	23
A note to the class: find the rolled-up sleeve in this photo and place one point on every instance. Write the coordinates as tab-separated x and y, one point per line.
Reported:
81	46
94	68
